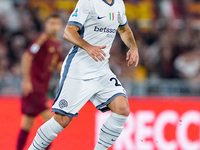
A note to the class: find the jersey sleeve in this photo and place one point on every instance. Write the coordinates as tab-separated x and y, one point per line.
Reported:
80	13
123	19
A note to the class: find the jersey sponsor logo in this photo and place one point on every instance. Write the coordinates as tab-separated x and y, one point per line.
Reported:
111	16
110	35
105	30
101	17
75	13
63	103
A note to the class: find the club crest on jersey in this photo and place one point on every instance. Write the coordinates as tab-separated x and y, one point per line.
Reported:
75	13
111	16
63	103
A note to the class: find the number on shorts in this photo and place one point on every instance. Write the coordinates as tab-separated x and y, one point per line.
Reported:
116	81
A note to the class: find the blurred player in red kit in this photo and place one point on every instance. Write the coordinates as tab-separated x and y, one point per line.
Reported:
38	62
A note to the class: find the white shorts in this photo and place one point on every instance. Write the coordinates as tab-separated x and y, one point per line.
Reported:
73	94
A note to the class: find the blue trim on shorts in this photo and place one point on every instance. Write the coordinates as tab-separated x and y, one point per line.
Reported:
121	26
108	101
75	23
67	65
64	113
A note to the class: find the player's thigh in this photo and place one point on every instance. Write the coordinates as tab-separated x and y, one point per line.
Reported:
120	105
73	95
27	122
110	90
46	115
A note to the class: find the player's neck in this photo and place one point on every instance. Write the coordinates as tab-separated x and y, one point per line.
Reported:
52	37
110	1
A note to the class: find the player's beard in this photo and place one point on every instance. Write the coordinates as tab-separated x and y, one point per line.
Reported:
54	34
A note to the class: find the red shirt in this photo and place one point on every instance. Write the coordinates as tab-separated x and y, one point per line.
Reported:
44	61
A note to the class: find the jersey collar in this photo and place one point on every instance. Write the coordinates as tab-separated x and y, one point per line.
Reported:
108	3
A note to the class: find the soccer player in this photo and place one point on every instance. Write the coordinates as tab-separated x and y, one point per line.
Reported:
91	28
38	62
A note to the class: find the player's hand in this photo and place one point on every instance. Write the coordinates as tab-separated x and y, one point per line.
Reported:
27	88
133	57
97	53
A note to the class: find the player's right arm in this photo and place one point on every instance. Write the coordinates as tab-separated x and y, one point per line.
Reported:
71	34
27	59
75	23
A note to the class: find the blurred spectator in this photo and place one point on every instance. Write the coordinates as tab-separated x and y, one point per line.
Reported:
188	68
188	65
166	63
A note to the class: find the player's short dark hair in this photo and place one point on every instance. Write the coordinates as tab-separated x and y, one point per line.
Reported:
52	16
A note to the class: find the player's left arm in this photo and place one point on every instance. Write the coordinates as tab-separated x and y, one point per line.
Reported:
127	37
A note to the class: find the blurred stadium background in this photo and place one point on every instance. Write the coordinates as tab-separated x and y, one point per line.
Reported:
164	89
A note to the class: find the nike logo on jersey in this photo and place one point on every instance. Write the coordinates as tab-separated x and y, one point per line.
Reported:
105	30
101	17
